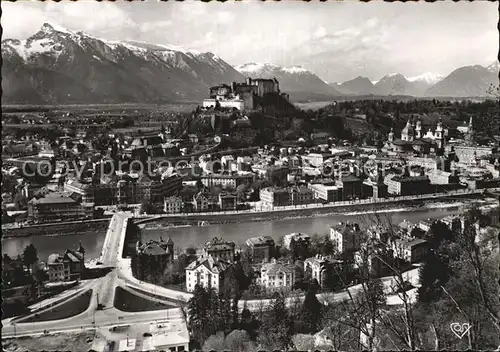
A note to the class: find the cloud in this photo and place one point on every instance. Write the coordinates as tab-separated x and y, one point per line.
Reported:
205	41
156	26
106	16
225	17
320	32
93	17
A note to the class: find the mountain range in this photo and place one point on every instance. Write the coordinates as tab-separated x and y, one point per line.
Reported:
59	66
468	81
298	82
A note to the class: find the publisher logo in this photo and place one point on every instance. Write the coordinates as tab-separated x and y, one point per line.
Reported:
460	329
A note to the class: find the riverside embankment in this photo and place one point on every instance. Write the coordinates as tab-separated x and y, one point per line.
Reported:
58	228
268	214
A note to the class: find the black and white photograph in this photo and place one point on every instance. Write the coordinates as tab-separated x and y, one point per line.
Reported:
250	176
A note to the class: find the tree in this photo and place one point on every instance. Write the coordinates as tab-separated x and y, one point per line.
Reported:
209	313
30	255
237	340
311	312
241	191
276	331
328	247
248	322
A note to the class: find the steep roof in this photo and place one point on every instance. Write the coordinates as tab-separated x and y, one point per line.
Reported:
219	244
214	266
260	240
156	248
54	258
275	268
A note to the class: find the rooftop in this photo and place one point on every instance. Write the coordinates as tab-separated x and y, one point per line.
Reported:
276	267
213	265
260	240
405	179
53	199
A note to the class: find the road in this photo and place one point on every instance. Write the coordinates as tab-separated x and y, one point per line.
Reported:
263	209
103	292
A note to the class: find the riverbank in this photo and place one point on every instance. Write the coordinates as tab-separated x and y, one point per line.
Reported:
360	209
57	229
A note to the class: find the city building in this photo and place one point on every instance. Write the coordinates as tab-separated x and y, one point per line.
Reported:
326	193
469	154
300	195
319	267
346	237
439	177
317	159
228	180
271	197
173	205
275	275
203	202
408	185
293	239
351	187
410	250
207	272
219	249
413	139
57	207
68	266
169	335
261	248
227	201
155	255
374	257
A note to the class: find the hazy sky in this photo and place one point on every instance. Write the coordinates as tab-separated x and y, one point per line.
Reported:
336	40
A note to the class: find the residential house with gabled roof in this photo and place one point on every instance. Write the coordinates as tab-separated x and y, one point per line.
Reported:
295	238
276	275
67	266
219	249
319	267
410	250
261	248
346	237
204	201
153	256
207	272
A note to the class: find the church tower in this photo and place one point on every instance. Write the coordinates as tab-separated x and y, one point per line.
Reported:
439	129
470	133
418	129
391	136
407	134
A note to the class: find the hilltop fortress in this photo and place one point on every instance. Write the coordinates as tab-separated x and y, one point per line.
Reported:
242	96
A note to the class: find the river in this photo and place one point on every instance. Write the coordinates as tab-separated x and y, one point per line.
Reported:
197	236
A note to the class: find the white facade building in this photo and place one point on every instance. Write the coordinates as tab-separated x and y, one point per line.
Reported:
206	272
276	275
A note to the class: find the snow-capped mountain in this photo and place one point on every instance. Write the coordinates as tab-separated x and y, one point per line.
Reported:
428	77
56	65
300	83
494	67
357	86
394	84
467	81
